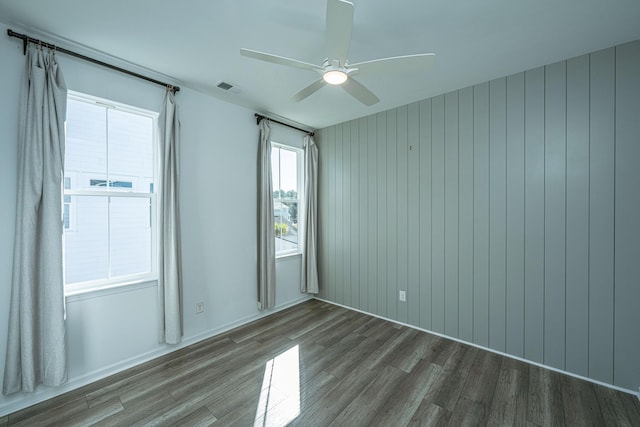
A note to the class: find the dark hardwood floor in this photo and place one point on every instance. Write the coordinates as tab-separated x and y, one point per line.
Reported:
317	364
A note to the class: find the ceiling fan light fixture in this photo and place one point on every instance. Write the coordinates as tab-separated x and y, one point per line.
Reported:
335	77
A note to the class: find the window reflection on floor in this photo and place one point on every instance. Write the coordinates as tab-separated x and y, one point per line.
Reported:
279	402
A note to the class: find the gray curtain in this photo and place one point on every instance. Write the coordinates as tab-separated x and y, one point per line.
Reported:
170	286
309	282
266	232
36	347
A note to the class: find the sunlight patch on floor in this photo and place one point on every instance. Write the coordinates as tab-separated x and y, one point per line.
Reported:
279	402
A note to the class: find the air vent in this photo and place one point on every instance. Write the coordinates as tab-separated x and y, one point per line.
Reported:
229	87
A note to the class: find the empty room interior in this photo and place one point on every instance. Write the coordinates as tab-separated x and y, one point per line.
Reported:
320	212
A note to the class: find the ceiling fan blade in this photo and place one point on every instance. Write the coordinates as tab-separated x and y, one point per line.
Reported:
339	24
359	92
280	60
396	64
309	90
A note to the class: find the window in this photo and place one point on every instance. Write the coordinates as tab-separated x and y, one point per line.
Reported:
109	207
286	169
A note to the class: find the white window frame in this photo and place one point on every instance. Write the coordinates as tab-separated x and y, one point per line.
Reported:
299	165
154	198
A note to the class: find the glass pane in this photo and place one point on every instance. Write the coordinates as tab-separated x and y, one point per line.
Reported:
85	144
286	229
86	245
130	152
289	173
275	171
130	236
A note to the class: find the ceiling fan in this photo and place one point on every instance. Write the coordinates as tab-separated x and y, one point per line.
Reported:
336	70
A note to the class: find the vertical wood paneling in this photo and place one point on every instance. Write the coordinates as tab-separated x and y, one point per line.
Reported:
601	215
534	215
577	262
481	214
332	215
515	215
346	212
627	266
507	211
381	230
425	216
339	243
465	237
326	221
497	212
437	213
363	217
413	211
451	190
402	208
554	216
392	215
354	219
372	214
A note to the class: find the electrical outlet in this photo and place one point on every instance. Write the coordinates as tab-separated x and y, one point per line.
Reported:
403	296
200	307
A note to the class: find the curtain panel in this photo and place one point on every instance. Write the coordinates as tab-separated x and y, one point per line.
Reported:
170	286
36	345
309	283
266	231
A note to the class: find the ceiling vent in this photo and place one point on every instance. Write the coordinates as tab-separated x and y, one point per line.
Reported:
230	87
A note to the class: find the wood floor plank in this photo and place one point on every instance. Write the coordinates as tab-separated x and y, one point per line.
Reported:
55	415
450	382
361	410
468	413
317	324
352	369
201	417
580	402
509	405
159	374
353	357
139	409
403	403
612	410
95	414
439	351
398	340
544	405
632	407
429	414
327	407
483	375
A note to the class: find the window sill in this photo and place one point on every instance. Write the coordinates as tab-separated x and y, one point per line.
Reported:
285	257
100	291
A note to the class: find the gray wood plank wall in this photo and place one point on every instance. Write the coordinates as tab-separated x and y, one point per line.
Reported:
509	212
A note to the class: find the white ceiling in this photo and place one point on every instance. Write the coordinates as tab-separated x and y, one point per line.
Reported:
197	42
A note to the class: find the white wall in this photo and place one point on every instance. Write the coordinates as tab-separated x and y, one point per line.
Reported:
112	330
507	211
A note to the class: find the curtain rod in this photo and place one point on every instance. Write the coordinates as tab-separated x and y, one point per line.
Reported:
259	118
26	40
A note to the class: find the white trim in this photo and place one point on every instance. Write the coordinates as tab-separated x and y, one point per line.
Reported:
530	362
103	290
44	393
287	255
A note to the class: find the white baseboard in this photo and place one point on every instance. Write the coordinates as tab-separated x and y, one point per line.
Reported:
17	402
530	362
